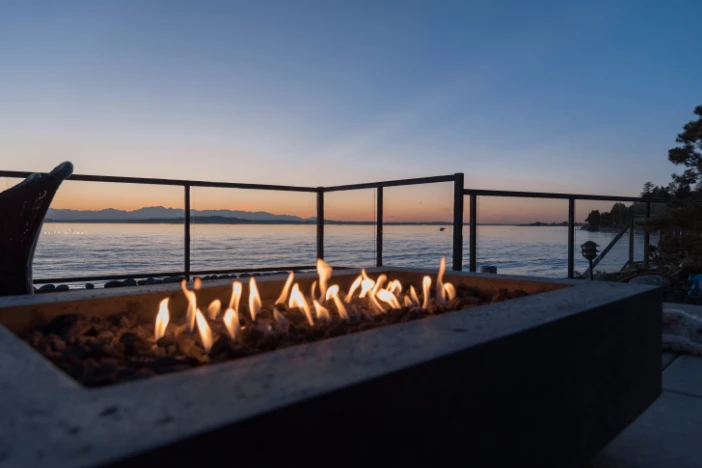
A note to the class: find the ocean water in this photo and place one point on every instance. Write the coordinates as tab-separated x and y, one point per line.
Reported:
72	249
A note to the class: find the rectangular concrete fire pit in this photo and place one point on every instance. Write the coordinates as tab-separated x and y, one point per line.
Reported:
542	380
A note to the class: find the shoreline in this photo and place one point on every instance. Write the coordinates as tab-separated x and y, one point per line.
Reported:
194	220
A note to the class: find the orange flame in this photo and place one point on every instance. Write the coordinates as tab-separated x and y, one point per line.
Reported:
284	294
280	320
353	288
378	283
440	292
450	290
379	300
236	296
333	291
231	322
204	329
322	312
389	298
313	290
426	284
254	299
162	319
298	300
413	296
324	271
366	286
407	302
192	305
213	309
395	287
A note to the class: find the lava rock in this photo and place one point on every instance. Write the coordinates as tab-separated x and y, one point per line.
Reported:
185	344
221	350
113	284
335	330
89	286
166	341
46	287
55	343
125	320
62	287
109	350
152	281
68	325
106	335
141	282
129	282
133	343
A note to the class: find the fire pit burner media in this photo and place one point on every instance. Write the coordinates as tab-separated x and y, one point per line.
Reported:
99	351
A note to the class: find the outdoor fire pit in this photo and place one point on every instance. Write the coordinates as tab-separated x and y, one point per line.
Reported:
393	366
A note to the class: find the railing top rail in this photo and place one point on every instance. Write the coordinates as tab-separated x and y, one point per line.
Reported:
507	193
392	183
171	182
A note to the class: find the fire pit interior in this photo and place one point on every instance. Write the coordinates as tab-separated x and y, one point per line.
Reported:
195	327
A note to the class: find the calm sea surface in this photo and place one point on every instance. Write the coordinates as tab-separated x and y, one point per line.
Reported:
73	249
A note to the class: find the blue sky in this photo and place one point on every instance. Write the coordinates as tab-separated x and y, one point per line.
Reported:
555	96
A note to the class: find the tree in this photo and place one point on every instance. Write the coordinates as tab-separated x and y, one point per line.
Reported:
660	192
647	190
620	215
593	219
689	152
606	219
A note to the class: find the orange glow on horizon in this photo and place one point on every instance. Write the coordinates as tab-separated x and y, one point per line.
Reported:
430	203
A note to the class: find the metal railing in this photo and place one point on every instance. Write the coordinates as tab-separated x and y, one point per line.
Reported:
474	194
459	193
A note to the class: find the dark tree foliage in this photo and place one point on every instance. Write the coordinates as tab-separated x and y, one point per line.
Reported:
593	219
647	191
688	153
620	215
680	225
681	237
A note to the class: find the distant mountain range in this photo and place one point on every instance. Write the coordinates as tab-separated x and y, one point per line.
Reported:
162	215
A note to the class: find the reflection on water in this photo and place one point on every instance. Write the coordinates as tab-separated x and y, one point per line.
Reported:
78	249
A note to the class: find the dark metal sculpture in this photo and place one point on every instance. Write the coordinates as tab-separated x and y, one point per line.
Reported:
22	211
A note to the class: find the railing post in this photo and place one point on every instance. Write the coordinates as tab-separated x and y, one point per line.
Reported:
379	227
458	221
647	238
473	248
186	240
571	237
320	222
631	241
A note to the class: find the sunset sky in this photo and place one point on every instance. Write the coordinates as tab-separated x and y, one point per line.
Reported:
560	96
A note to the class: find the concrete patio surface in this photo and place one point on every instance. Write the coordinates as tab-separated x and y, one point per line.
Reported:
669	433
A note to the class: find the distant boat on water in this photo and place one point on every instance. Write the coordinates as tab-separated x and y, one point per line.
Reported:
442	229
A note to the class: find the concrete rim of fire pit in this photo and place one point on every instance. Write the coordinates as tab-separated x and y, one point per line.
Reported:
50	420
